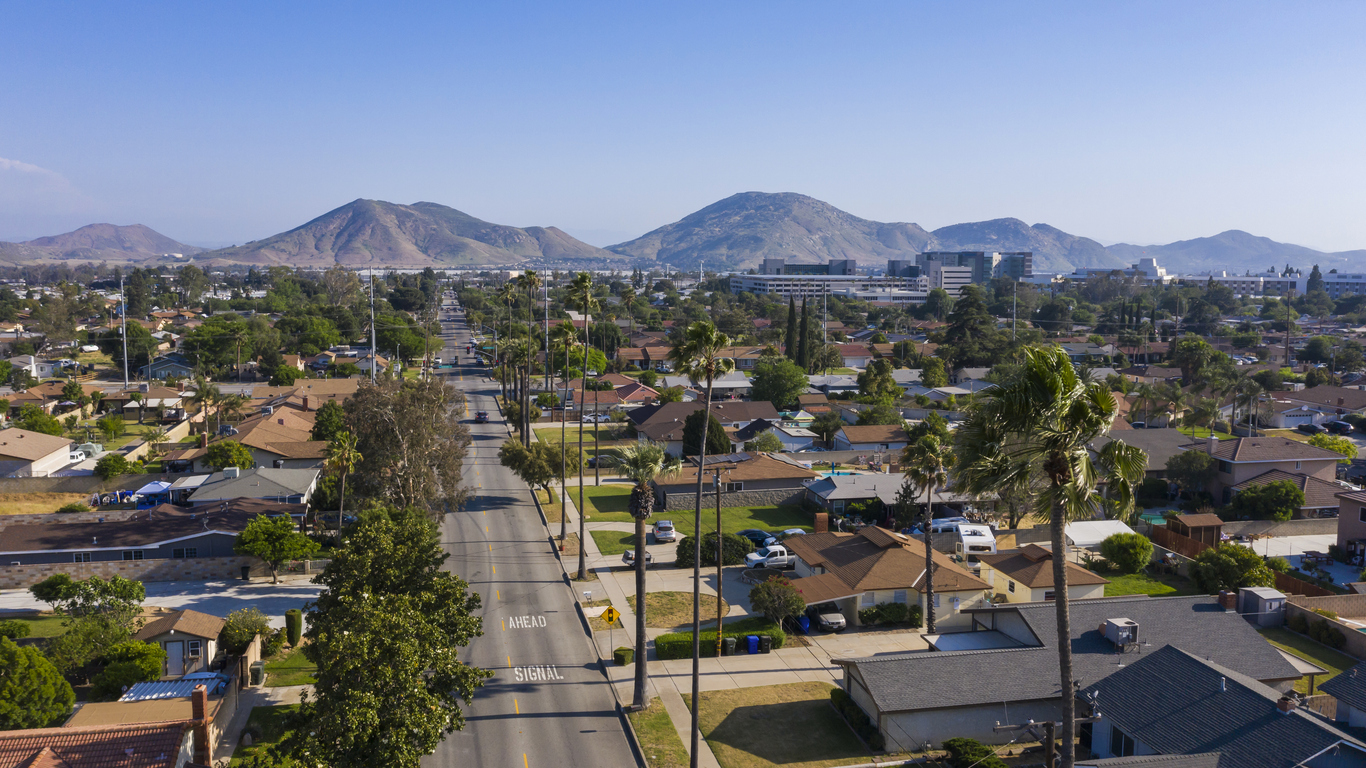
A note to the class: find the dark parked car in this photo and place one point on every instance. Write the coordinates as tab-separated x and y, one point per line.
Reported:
1339	427
1311	429
760	538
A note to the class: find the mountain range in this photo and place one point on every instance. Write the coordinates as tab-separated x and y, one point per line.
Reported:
735	233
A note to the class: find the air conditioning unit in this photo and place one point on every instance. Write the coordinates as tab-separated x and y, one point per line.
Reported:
1121	631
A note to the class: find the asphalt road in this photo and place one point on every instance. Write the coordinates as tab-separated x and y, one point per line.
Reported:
548	703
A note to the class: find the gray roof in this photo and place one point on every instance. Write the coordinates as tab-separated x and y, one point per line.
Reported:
968	678
1350	686
260	483
881	486
1159	444
1177	703
1202	760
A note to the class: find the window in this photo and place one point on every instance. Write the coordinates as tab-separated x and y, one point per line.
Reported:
179	554
1226	467
193	648
1121	745
936	599
899	596
1049	596
868	599
132	554
1297	465
80	557
839	507
733	487
1010	587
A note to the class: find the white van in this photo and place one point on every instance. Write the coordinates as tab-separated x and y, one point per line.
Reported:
974	540
947	525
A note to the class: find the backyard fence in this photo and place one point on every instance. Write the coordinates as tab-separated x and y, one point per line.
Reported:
1293	586
1188	547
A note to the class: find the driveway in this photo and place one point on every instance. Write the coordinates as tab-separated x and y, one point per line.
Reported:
216	598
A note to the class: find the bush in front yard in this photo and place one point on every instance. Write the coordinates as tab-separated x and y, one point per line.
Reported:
678	645
294	626
733	550
892	613
857	719
1127	552
971	752
14	629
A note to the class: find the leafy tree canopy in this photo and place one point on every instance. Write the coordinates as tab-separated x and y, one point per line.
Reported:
717	442
33	693
275	540
229	453
779	381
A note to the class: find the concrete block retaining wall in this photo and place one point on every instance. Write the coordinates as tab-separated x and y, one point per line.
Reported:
196	569
681	501
1342	605
1320	526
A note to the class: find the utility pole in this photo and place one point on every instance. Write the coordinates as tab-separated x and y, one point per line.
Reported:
548	382
374	336
1048	737
825	334
1014	302
1289	294
716	483
123	297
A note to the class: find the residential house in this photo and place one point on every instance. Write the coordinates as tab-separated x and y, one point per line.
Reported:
814	404
1150	374
836	493
1025	575
289	486
1339	401
733	385
1244	458
636	393
963	375
745	358
1175	702
281	438
855	355
189	638
163	744
1005	670
861	570
871	438
1351	525
146	400
1349	688
795	439
1320	496
174	365
832	384
663	423
32	454
53	394
163	532
37	368
1159	445
746	479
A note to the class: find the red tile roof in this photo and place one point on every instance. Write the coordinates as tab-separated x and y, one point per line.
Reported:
135	745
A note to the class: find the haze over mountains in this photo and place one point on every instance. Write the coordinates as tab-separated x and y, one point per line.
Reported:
734	234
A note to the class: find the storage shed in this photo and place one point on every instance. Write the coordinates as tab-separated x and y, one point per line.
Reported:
1205	528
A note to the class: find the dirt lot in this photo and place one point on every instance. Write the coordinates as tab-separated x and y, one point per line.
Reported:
37	503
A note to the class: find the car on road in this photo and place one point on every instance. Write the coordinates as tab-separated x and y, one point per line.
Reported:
436	361
664	531
629	557
774	556
826	617
481	417
758	537
601	418
1339	427
1311	429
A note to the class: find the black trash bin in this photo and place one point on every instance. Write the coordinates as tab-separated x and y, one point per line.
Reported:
727	646
765	643
246	573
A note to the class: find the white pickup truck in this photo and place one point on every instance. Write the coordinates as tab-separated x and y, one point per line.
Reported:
775	556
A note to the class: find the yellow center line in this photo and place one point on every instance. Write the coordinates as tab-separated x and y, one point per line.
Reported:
509	661
495	569
501	624
498	593
490	547
518	709
524	763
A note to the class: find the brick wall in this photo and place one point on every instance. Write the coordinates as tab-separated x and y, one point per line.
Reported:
1311	527
681	501
1342	605
197	569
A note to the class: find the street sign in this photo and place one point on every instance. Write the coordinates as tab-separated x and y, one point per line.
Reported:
611	615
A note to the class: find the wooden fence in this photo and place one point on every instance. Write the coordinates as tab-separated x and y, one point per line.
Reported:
1188	547
1293	586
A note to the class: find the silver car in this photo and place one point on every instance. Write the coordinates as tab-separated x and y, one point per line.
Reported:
664	531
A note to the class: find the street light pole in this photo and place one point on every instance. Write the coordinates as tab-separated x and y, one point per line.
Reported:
123	297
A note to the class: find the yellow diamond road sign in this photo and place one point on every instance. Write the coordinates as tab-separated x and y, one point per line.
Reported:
610	615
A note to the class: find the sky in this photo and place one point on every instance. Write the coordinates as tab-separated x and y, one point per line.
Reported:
1141	122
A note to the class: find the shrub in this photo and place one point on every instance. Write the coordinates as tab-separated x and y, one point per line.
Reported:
294	625
1230	567
1298	623
678	645
857	719
14	629
623	656
776	599
241	626
273	642
733	550
916	617
1325	613
1153	492
971	752
115	464
1278	564
72	508
868	616
1127	552
894	613
1327	634
128	663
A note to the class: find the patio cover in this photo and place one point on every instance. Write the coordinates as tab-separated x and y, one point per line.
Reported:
1091	533
154	487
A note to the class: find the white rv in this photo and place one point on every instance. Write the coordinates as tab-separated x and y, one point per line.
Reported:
974	540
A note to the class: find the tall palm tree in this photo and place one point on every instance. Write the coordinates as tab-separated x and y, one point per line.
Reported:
696	355
1204	414
239	335
1042	421
505	293
529	281
206	395
565	339
628	300
581	295
1174	401
927	467
643	463
1248	394
342	458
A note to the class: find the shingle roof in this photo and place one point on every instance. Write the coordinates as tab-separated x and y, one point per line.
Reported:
136	745
875	433
876	559
261	483
969	678
1032	566
30	446
1205	518
1318	493
1352	399
1202	760
184	621
1159	444
754	466
1350	686
161	523
1266	449
1177	703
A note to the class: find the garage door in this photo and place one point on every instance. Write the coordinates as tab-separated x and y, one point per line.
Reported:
1292	421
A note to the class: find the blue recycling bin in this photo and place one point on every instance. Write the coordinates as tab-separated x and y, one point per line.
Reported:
804	624
752	642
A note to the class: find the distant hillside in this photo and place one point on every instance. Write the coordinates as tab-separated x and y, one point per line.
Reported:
374	232
98	242
1236	252
742	230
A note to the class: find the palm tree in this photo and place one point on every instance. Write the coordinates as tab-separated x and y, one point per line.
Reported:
581	295
505	293
1043	421
643	463
207	395
1174	401
342	458
530	281
1248	394
234	406
239	335
927	467
1204	414
628	299
565	339
696	355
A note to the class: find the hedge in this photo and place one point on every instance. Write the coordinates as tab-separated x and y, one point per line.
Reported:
14	629
857	719
294	625
733	550
678	645
892	613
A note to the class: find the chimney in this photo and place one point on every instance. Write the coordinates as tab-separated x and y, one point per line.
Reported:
1211	444
182	385
822	522
1223	684
1340	401
1228	600
282	421
305	403
203	439
1286	705
199	707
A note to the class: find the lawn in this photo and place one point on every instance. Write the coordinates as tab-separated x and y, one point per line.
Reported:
596	623
37	503
1305	648
670	610
550	504
290	669
43	626
658	737
267	726
1202	433
1293	434
789	725
1160	585
605	503
733	519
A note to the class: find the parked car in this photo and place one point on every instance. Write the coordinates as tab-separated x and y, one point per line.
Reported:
760	538
76	456
601	418
1339	427
629	557
1311	429
774	556
664	531
790	532
481	417
826	617
1139	425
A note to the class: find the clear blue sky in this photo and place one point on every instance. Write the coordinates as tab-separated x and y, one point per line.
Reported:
1143	122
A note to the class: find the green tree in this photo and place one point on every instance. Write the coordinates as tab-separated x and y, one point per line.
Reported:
1276	500
342	458
883	412
537	464
241	626
276	540
779	381
1336	444
1127	552
927	465
643	464
1230	567
827	424
766	442
229	453
1191	354
671	395
1192	470
932	373
776	599
876	381
115	599
127	663
32	691
972	338
790	338
804	338
285	375
717	442
32	418
114	464
54	590
387	605
1042	422
329	420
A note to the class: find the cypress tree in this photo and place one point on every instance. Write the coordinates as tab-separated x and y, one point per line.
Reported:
790	348
804	344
